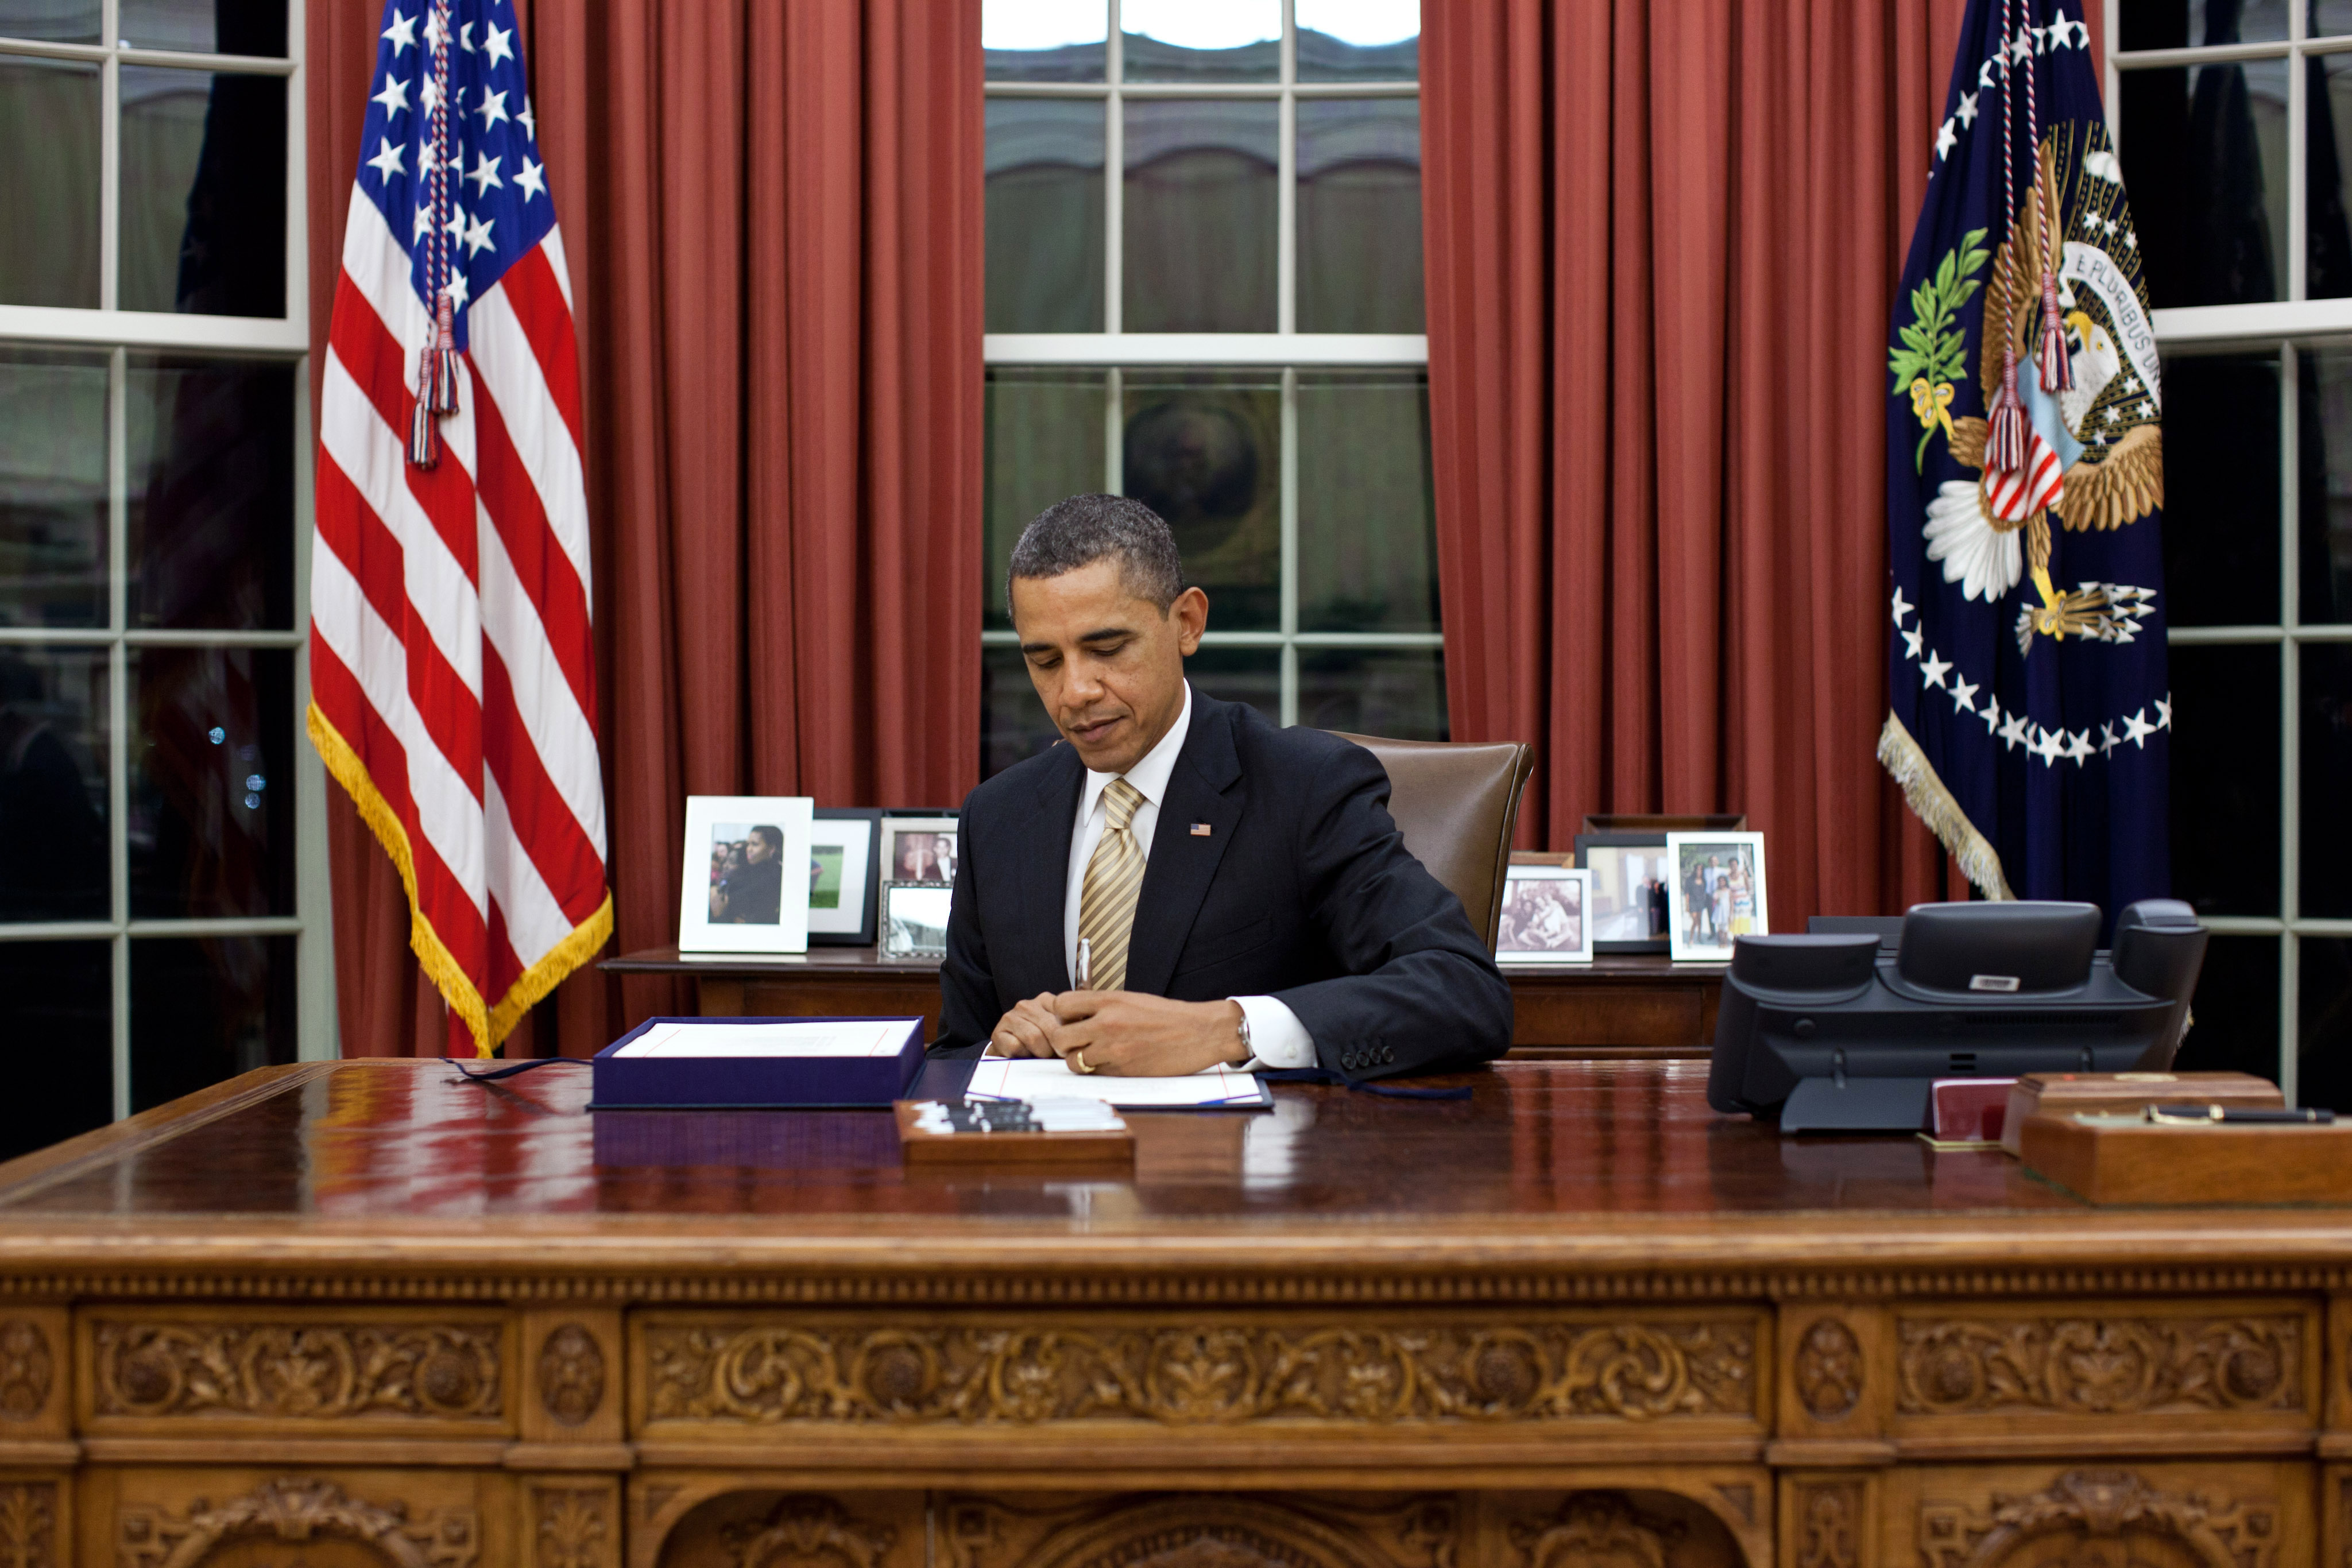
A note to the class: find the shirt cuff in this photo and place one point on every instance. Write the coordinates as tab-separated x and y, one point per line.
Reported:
1277	1036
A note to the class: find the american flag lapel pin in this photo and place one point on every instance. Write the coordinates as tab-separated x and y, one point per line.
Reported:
1200	830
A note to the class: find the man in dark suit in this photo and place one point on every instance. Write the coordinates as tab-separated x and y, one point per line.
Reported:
1234	892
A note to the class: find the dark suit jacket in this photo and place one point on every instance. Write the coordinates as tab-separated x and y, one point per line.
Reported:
1302	889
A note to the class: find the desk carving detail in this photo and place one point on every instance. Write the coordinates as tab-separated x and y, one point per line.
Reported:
571	1375
1201	1377
1594	1526
798	1531
321	1371
2101	1366
28	1525
573	1526
296	1509
27	1370
1829	1370
2112	1517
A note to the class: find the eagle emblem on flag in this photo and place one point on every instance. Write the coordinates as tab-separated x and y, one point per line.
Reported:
2094	447
2028	715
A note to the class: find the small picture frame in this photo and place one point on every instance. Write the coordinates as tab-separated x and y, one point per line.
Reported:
1627	909
915	919
919	849
734	895
1545	916
844	873
1716	894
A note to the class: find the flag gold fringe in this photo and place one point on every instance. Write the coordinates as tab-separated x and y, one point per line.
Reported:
488	1025
1934	805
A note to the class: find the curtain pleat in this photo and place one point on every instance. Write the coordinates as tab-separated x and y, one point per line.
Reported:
772	222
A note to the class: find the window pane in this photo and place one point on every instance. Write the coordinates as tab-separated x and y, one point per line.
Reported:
51	21
52	488
1013	723
1359	40
206	27
2326	546
2327	254
1398	693
212	803
1203	449
2204	151
1044	214
1202	40
1199	228
1360	215
2329	18
48	244
1252	676
2325	881
2178	24
1044	443
53	709
1367	519
210	465
203	196
60	994
205	1009
2234	1023
2221	490
1044	41
2323	1042
2225	778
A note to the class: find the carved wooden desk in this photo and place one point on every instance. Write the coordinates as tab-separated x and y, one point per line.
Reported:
367	1313
1617	1005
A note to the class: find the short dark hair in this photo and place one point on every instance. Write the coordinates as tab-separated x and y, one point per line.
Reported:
1083	529
775	836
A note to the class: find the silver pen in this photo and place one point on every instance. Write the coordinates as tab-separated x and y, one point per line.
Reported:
1084	962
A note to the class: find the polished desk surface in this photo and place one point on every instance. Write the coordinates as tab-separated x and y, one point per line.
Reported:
1547	1164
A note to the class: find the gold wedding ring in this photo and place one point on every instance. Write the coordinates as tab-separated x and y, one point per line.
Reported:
1077	1060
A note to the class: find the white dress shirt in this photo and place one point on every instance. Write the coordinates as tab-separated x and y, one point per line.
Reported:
1276	1036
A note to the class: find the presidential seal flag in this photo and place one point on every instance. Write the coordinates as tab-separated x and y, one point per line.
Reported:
453	688
2029	715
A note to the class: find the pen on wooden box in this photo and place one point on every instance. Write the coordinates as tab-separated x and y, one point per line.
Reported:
2181	1115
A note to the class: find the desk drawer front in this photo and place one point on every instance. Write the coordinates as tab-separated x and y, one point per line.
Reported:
721	1374
2203	1367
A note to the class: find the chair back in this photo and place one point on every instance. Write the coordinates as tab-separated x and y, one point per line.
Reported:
1457	804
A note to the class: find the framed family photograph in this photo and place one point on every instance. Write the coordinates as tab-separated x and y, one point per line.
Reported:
1628	907
734	894
1715	893
915	919
845	870
919	849
1547	914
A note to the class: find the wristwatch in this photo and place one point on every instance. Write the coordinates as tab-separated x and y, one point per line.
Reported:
1249	1052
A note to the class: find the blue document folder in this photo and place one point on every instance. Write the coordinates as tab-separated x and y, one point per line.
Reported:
756	1064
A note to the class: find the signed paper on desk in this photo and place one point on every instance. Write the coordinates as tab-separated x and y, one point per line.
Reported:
1040	1078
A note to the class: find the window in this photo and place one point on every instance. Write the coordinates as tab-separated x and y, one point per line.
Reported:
2235	124
161	827
1230	330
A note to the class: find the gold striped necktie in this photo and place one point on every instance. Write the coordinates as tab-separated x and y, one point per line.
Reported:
1106	901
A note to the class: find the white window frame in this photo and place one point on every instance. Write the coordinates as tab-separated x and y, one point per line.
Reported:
1115	352
284	340
2286	327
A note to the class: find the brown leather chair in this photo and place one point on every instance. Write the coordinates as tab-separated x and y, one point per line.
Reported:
1457	803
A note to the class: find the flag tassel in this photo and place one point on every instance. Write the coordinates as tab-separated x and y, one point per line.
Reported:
2005	437
2057	369
437	387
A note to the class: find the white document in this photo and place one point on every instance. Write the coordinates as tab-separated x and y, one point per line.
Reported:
818	1036
1041	1078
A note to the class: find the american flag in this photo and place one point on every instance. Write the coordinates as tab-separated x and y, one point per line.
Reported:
453	687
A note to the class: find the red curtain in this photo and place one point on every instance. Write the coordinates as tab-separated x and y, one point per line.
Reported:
1662	241
773	218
